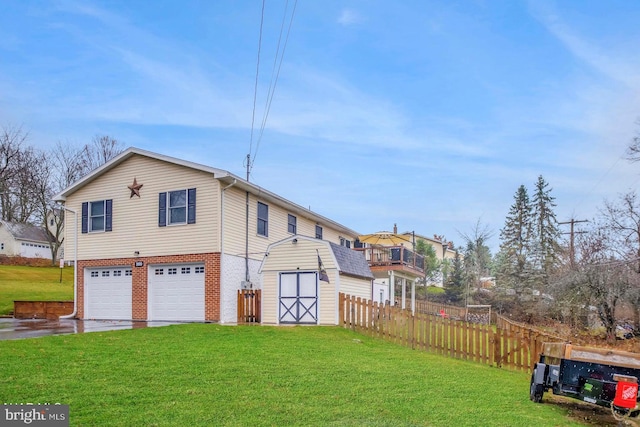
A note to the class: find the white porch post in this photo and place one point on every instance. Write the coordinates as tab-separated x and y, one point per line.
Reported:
413	297
404	292
392	288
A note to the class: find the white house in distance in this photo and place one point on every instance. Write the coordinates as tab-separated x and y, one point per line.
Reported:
25	240
161	238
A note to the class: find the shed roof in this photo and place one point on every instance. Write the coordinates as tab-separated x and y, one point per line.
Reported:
346	260
351	262
30	232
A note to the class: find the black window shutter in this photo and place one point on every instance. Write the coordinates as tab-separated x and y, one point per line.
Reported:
108	207
162	210
191	206
85	217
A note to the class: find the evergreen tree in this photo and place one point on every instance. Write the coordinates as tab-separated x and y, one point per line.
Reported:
545	246
454	287
514	269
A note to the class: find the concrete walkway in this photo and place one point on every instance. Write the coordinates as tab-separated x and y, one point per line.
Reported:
11	329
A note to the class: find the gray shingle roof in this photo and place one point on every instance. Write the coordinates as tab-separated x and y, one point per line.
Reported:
26	231
351	262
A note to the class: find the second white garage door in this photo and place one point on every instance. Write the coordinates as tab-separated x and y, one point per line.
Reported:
176	292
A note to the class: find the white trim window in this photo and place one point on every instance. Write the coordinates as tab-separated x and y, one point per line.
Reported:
177	207
263	219
292	224
344	242
97	216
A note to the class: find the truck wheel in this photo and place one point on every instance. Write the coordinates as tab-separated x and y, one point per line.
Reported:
535	391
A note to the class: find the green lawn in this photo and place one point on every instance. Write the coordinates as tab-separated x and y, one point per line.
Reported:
211	375
33	284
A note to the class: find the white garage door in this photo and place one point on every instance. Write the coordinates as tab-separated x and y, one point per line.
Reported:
176	292
34	250
107	293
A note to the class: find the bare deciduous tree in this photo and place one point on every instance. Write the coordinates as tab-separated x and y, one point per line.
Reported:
603	278
11	141
102	149
622	221
633	150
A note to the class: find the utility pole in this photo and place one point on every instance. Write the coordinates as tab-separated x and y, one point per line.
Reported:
246	237
572	253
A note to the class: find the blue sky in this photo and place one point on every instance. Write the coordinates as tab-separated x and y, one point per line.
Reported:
428	114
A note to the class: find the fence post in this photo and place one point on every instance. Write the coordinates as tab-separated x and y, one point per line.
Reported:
412	330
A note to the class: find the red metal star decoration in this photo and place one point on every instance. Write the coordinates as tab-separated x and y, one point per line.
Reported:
135	188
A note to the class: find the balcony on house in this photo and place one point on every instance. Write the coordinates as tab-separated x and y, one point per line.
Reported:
385	258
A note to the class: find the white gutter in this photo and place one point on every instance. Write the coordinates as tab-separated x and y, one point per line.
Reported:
75	265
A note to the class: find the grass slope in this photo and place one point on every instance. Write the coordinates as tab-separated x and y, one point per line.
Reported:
22	283
205	374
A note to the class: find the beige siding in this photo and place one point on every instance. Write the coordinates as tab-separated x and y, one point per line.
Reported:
269	310
301	256
327	304
135	219
355	286
235	225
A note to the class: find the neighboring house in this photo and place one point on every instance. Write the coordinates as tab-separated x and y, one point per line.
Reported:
443	249
26	240
303	276
161	238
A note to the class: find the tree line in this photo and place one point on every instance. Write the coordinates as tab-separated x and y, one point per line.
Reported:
30	177
541	272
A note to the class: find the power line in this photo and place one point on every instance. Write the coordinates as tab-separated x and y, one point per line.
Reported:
599	181
275	74
255	89
572	253
274	81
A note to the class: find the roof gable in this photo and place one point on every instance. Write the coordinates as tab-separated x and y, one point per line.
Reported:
346	260
225	177
130	152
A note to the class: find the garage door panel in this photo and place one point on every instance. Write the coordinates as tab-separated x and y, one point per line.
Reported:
177	293
108	294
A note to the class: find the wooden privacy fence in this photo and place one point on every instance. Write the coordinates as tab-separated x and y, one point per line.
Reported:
249	306
487	344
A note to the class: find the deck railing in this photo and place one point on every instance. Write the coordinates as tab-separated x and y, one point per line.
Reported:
393	256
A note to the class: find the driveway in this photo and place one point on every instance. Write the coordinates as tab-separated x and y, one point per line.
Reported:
11	329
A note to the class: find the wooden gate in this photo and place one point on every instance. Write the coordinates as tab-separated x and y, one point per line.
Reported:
249	306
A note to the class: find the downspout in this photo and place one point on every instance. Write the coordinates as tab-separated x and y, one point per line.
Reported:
222	241
75	265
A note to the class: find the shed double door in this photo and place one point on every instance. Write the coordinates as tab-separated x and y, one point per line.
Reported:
298	298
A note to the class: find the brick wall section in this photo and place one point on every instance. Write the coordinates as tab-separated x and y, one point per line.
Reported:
41	309
139	280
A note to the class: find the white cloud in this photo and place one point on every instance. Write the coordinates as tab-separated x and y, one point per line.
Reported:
349	17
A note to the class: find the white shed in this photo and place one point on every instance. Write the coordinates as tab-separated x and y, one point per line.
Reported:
302	276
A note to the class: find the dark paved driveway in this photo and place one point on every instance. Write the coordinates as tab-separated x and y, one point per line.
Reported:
11	329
